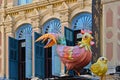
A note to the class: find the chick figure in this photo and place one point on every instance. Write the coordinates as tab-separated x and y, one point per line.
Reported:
100	67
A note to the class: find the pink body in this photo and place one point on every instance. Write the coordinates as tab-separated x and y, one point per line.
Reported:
80	56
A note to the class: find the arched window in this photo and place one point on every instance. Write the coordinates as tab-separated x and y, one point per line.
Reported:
82	21
23	31
22	2
53	26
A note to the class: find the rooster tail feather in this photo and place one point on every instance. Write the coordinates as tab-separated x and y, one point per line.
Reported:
45	37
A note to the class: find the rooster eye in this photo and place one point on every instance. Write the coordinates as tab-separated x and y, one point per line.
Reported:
102	59
85	36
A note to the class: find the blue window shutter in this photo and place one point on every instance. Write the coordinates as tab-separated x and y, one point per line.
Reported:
13	58
69	35
28	56
56	64
39	58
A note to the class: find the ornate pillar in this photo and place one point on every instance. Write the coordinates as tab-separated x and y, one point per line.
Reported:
8	33
64	20
2	55
2	50
35	28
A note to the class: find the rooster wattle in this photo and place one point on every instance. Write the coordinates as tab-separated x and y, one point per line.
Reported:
73	57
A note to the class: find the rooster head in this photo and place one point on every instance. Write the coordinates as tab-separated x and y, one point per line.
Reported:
87	37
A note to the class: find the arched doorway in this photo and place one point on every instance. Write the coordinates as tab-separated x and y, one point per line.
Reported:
53	64
24	37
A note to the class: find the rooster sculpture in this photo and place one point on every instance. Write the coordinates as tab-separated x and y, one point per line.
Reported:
73	57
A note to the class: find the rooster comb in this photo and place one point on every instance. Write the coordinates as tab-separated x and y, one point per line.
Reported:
86	31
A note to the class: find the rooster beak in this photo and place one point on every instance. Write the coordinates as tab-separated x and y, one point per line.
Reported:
106	60
92	38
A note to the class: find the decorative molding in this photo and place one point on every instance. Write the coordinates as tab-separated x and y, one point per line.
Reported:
35	22
39	5
70	1
80	3
57	4
41	8
22	15
8	30
64	6
28	11
109	51
8	18
118	36
109	34
35	12
64	17
50	9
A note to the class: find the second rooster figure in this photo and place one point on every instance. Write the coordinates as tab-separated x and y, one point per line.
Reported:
73	57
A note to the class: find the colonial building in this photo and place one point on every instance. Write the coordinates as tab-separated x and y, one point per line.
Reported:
110	32
23	21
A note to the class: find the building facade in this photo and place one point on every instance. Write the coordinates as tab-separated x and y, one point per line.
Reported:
23	21
110	32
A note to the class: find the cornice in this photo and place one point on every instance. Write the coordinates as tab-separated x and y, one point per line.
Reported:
38	5
81	4
26	7
42	5
41	8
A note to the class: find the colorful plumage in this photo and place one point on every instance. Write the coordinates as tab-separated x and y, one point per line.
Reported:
100	67
73	57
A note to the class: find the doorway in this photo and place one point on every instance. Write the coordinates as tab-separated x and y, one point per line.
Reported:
21	60
48	62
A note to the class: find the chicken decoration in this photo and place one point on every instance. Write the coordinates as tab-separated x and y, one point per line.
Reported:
73	57
100	67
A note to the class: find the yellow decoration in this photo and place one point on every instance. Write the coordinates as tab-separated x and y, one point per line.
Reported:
100	67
